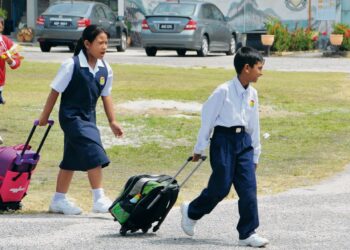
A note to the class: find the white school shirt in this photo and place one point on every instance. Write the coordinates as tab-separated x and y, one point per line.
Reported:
231	105
65	73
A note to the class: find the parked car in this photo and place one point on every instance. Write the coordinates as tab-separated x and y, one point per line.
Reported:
63	23
184	26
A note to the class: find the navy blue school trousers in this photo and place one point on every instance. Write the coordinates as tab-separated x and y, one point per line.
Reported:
231	159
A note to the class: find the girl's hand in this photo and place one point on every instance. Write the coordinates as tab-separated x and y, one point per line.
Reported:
43	120
116	129
9	61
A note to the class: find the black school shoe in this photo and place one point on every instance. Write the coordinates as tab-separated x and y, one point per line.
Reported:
2	101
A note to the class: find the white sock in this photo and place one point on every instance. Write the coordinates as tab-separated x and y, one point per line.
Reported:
58	196
97	193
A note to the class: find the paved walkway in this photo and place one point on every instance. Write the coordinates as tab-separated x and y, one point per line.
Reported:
316	217
311	62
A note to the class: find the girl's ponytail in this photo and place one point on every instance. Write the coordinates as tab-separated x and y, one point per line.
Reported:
79	46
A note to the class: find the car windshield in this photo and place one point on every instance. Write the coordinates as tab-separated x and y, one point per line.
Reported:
174	9
68	9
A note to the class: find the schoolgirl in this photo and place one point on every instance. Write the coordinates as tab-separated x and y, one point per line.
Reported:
81	80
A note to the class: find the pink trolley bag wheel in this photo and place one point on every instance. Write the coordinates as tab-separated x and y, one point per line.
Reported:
17	164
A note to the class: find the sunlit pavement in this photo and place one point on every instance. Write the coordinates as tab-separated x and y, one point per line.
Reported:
309	62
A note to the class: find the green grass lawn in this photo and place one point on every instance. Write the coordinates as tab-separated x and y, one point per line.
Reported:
306	115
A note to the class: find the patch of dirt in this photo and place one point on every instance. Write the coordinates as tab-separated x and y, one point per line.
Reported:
136	136
270	111
178	109
159	107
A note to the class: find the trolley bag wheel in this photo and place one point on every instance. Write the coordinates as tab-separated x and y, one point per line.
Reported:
10	206
145	229
123	231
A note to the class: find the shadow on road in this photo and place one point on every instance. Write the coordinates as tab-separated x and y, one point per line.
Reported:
186	241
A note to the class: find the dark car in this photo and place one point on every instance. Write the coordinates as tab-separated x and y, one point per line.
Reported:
63	23
184	26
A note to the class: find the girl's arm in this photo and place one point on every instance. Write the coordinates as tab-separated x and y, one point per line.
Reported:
50	103
13	61
109	109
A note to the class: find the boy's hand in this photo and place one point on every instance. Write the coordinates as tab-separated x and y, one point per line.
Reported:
116	129
196	157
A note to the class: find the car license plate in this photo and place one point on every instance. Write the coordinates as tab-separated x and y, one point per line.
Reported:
166	26
60	23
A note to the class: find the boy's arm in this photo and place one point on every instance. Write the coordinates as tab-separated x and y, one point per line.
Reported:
50	103
255	135
109	110
210	111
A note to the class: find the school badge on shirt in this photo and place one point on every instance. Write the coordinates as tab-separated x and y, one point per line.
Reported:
251	103
102	80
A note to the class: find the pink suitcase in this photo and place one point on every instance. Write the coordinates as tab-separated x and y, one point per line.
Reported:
17	164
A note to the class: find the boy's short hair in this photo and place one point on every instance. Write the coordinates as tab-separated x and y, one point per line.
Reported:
246	55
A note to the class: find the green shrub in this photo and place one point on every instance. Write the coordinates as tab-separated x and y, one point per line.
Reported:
282	37
3	13
302	39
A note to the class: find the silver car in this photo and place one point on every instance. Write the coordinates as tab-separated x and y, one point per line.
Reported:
63	23
184	26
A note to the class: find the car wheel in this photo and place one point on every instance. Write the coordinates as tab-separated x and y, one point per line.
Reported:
204	50
151	51
181	52
122	46
45	47
232	47
71	47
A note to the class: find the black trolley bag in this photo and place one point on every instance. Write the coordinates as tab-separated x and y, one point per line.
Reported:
17	164
147	199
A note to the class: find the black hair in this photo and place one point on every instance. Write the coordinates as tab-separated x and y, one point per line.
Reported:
89	33
246	55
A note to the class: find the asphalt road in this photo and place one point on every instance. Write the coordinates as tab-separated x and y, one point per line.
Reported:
316	217
311	62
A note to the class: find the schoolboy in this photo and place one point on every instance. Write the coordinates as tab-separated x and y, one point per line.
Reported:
232	114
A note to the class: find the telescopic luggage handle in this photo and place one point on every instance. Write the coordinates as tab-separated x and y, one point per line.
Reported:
202	159
189	159
36	123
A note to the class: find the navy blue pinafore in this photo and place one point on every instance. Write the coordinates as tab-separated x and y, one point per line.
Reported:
83	148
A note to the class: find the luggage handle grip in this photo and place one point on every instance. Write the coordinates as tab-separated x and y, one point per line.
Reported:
50	122
36	123
202	159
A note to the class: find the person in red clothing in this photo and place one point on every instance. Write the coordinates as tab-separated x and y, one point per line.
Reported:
12	60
